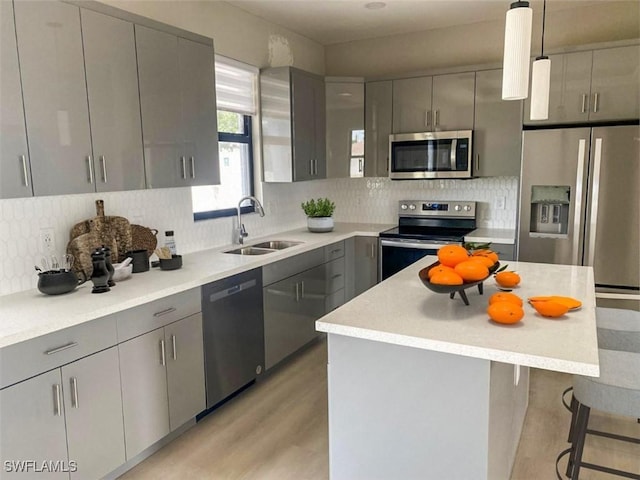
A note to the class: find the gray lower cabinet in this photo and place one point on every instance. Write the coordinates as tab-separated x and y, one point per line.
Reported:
33	426
55	96
365	264
162	376
114	104
177	100
497	131
378	107
70	414
15	168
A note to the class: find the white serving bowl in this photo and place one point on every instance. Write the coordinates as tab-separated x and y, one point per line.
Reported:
121	273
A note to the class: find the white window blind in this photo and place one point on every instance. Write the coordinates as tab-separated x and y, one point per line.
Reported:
236	86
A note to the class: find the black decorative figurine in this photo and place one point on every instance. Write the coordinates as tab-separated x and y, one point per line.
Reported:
107	263
100	275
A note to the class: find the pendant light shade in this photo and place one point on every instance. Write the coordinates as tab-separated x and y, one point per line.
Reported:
517	50
540	83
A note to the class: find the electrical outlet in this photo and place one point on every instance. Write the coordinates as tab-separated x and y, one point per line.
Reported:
47	241
501	203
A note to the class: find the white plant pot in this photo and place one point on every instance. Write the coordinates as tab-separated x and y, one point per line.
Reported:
320	224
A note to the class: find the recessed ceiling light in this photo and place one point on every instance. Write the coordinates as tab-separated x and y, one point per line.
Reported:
344	94
375	5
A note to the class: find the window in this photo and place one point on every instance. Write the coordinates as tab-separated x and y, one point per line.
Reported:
356	166
236	102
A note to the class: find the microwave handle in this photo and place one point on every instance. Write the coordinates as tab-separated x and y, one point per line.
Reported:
454	147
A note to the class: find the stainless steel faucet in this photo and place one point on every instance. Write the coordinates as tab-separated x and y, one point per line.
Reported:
240	231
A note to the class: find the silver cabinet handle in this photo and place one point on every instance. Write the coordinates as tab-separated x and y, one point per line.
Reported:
103	164
90	168
584	103
57	401
436	114
174	351
373	251
163	354
302	289
183	164
311	166
164	312
74	392
582	146
315	169
596	97
193	167
477	162
25	174
427	118
297	292
60	349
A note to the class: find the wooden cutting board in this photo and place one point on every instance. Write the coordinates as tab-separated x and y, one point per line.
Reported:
144	238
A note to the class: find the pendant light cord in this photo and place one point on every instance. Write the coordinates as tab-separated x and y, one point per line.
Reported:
544	14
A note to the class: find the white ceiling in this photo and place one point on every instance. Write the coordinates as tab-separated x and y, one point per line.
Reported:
338	21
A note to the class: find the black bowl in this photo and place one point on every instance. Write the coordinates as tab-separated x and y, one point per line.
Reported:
173	263
57	282
452	289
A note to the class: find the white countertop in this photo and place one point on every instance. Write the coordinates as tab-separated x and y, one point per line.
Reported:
29	314
493	235
402	311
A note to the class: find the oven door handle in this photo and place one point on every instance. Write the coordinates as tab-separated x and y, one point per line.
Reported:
408	244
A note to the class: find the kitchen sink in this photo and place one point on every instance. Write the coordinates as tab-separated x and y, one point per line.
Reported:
276	244
263	248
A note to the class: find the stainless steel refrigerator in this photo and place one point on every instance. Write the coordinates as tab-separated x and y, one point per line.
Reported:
580	205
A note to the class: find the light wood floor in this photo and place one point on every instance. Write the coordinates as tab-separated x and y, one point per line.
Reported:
277	429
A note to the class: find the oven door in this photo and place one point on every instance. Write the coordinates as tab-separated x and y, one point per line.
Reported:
398	254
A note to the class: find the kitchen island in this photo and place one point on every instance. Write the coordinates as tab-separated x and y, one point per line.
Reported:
423	386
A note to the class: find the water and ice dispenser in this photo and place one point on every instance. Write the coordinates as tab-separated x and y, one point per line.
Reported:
549	210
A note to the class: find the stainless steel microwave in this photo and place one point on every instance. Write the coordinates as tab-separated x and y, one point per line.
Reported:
430	155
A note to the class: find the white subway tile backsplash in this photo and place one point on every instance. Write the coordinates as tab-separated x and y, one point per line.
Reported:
370	200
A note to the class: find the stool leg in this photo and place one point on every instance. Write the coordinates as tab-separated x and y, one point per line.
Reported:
579	437
574	412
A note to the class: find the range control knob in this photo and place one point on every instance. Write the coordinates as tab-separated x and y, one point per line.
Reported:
412	207
467	208
457	208
403	206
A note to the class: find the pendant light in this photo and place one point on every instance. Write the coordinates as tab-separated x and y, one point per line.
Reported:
517	50
541	80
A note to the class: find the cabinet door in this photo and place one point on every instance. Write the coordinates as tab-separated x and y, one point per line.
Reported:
378	123
412	105
320	129
160	104
33	427
615	83
453	101
185	369
55	97
304	125
496	130
114	104
95	433
144	391
199	119
15	171
568	91
365	263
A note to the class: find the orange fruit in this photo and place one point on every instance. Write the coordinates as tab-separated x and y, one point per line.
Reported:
568	301
486	261
451	255
486	253
439	269
550	308
505	297
471	271
505	312
507	279
447	278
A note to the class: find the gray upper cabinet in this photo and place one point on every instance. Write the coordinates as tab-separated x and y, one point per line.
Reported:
615	84
452	102
114	106
199	119
412	105
378	107
55	97
177	99
293	125
598	85
15	170
496	130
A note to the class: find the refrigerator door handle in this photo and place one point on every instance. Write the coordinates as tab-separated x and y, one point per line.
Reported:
595	191
577	217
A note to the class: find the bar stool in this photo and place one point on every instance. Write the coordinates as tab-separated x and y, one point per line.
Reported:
616	391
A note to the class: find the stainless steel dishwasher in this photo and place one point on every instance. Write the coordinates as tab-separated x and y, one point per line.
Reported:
233	330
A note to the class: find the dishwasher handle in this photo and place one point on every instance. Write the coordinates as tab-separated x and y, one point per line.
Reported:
227	292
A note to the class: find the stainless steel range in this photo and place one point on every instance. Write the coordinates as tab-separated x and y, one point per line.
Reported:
423	227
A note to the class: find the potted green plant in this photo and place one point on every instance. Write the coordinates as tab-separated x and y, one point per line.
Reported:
319	214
